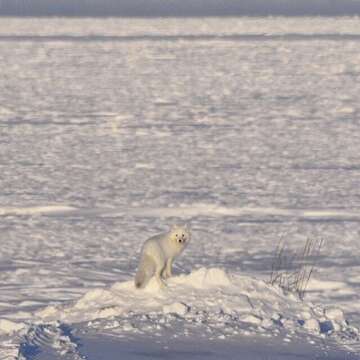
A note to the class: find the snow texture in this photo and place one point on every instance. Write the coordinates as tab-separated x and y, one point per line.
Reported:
113	129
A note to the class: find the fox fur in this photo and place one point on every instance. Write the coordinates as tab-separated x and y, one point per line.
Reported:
158	254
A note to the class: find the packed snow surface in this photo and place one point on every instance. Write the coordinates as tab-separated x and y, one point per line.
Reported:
223	304
113	129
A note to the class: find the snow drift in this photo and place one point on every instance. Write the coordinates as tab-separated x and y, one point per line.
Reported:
211	302
225	304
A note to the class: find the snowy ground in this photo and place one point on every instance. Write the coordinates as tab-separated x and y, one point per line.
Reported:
110	130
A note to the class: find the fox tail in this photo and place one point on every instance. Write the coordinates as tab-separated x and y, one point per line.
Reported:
145	271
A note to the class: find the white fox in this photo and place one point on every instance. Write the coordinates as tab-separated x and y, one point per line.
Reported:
158	253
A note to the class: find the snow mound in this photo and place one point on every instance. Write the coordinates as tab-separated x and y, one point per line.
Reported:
9	327
226	305
204	279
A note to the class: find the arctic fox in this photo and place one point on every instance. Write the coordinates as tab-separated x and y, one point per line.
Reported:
158	253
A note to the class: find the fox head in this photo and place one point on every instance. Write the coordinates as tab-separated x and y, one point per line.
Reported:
180	235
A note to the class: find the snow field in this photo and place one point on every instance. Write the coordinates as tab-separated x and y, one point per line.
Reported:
247	129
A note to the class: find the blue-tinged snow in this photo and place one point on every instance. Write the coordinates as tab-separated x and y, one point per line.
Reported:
113	129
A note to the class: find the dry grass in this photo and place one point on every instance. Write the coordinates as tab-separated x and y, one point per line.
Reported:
292	270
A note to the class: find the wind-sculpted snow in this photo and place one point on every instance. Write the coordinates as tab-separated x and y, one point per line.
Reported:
222	305
51	340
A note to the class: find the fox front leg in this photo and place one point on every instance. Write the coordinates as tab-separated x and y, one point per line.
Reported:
160	281
168	271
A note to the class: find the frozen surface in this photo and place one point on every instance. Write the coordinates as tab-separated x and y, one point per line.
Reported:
110	130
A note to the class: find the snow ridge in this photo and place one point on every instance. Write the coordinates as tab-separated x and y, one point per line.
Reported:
51	339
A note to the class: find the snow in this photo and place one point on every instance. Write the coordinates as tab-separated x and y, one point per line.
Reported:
312	325
334	314
111	130
176	308
222	305
8	327
41	210
205	26
198	209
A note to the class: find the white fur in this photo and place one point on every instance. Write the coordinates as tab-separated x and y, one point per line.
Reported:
158	253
